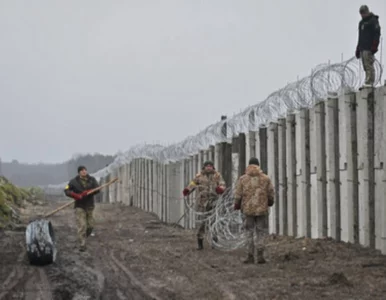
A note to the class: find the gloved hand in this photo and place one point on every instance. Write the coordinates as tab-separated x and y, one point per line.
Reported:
219	190
76	196
237	206
84	193
185	192
374	47
357	53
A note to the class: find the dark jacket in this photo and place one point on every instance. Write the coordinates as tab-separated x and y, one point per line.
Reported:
75	185
369	32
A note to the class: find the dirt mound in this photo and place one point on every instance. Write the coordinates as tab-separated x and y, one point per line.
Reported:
12	199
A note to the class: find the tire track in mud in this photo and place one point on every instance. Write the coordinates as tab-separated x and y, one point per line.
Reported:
134	281
121	282
222	289
17	273
37	287
99	276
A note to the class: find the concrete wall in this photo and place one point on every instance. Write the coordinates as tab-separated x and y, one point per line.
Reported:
327	164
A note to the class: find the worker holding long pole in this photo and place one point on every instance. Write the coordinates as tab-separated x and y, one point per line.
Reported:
79	189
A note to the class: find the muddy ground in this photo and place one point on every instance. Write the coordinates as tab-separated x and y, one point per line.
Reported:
134	256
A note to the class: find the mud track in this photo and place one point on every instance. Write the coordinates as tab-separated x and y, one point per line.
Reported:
134	256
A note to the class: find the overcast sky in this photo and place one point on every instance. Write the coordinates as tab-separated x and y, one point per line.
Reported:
103	75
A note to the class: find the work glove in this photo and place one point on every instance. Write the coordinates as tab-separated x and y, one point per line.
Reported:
219	190
185	192
374	47
237	206
85	193
357	53
76	196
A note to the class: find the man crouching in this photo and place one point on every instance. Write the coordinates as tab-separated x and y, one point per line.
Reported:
254	195
78	188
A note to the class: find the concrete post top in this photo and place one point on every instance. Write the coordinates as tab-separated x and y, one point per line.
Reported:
291	116
319	102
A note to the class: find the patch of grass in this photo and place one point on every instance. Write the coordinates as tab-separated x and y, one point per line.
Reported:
11	195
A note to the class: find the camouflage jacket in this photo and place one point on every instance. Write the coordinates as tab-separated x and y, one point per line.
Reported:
253	190
205	184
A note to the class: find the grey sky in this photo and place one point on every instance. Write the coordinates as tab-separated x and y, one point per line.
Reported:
101	76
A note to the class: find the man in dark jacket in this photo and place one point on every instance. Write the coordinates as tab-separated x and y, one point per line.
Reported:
369	33
78	189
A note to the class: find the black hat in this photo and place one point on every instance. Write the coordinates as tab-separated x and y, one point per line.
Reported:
81	168
364	9
254	161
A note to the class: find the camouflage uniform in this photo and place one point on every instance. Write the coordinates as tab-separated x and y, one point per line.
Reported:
254	194
206	182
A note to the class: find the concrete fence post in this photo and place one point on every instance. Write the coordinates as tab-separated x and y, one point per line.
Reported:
273	173
211	154
348	166
379	166
252	145
318	188
291	174
303	173
365	131
332	167
282	175
235	160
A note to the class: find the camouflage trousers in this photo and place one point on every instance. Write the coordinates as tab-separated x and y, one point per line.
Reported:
257	230
84	223
202	220
368	66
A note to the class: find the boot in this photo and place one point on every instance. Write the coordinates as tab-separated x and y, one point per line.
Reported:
260	256
200	244
250	259
82	248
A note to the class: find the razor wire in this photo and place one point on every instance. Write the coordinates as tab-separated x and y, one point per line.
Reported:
224	222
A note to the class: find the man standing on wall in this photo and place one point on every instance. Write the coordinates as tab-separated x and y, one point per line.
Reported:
209	184
369	33
254	195
78	189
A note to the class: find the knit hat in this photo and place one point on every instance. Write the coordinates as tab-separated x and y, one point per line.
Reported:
208	163
81	168
254	161
364	9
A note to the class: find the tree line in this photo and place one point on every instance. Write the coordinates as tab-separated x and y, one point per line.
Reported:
26	175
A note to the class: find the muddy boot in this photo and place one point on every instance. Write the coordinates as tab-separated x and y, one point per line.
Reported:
82	248
200	244
88	232
260	256
250	259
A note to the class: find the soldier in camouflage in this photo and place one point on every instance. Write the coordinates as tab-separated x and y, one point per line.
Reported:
209	184
78	189
254	195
